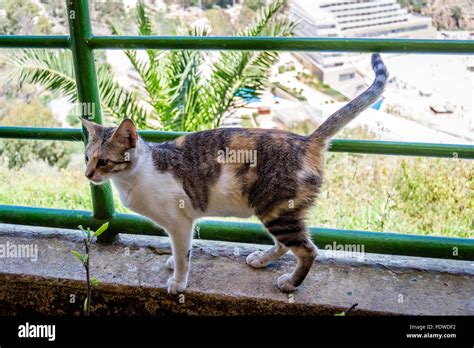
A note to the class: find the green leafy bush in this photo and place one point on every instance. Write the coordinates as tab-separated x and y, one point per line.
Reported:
397	194
16	153
363	192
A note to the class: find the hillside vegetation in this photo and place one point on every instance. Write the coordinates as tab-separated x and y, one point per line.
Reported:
451	14
446	14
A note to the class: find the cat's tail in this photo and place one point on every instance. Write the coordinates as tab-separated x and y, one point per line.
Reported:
343	116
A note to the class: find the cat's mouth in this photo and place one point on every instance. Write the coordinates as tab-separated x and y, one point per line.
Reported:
98	180
97	183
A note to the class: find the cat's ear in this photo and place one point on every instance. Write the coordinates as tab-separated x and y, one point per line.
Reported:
126	131
92	128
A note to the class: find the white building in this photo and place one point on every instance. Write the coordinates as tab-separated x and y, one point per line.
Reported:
356	19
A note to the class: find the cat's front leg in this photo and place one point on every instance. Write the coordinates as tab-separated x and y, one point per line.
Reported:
181	235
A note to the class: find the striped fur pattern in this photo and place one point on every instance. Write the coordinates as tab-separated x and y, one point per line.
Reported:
275	175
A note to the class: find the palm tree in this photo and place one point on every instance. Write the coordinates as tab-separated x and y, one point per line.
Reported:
175	93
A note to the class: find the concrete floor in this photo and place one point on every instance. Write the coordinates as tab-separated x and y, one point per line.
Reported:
133	275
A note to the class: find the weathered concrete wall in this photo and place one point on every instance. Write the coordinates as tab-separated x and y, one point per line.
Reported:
133	275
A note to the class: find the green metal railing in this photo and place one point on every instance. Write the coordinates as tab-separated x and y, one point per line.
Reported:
82	43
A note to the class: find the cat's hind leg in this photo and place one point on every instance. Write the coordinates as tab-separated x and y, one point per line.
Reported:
259	259
305	252
291	232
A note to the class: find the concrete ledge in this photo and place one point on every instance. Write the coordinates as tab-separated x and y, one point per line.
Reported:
133	275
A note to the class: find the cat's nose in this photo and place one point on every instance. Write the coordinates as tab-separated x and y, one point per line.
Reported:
89	174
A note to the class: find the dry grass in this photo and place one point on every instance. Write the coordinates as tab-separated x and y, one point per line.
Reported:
375	193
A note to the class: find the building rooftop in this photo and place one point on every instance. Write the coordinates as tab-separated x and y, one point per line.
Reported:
355	17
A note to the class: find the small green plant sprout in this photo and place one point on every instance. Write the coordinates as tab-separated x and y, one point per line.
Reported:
89	237
344	313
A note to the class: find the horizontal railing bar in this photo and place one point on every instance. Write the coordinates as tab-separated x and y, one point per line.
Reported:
34	41
72	134
41	133
246	43
373	242
375	147
337	145
264	43
159	136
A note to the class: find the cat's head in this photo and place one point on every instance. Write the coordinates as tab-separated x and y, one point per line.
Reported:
110	150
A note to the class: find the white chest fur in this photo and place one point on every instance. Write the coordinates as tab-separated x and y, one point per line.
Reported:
155	195
161	197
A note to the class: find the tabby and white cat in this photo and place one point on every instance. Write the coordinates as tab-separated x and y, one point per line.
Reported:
177	182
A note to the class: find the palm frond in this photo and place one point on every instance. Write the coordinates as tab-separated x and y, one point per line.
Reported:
145	27
184	83
118	102
54	70
265	15
182	99
238	70
149	72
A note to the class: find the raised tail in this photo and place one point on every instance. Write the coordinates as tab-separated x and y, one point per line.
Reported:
343	116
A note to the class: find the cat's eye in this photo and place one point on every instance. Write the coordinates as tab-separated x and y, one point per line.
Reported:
87	158
102	162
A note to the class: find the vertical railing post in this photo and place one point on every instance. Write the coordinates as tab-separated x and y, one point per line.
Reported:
88	94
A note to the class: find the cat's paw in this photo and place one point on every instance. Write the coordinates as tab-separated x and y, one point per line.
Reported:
255	260
170	263
284	283
175	287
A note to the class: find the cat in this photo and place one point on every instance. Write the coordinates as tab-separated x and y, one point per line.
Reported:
273	174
